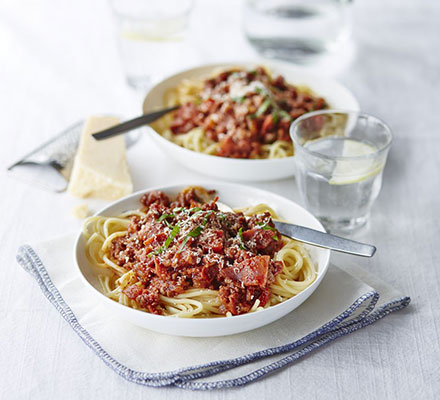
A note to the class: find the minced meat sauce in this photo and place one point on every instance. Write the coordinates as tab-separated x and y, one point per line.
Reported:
189	243
243	110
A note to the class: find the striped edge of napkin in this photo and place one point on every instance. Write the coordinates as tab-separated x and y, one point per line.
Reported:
347	322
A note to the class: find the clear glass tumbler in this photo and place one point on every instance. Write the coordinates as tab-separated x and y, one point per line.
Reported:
340	156
296	30
152	37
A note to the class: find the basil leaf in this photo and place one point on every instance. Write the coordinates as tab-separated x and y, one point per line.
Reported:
185	241
240	234
155	252
221	216
169	239
284	114
239	99
171	236
270	228
262	109
205	220
196	231
165	216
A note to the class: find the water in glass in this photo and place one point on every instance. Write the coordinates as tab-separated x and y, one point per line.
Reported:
153	39
340	192
295	29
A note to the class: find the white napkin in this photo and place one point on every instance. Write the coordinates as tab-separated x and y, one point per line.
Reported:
343	303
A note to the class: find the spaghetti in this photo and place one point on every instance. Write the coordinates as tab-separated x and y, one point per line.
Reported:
188	259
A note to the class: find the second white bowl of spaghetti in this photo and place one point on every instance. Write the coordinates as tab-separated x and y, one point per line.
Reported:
234	117
126	254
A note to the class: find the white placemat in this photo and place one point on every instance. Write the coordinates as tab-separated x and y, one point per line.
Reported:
343	303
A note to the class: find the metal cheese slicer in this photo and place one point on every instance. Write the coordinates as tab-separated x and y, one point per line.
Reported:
50	164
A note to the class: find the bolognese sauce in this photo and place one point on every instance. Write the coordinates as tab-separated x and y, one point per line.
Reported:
189	243
245	110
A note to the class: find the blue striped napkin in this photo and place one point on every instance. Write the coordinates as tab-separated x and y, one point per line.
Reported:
347	300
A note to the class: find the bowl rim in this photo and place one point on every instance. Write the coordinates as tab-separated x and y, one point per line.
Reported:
265	63
237	318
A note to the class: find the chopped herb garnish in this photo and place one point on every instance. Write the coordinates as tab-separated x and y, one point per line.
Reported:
205	220
221	216
196	231
239	99
266	227
165	216
240	234
269	228
172	235
284	114
275	117
259	90
169	239
153	253
185	241
262	109
195	209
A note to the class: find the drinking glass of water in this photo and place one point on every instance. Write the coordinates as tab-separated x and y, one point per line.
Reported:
153	38
296	30
340	156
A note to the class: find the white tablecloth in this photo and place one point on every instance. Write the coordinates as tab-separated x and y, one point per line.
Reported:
59	63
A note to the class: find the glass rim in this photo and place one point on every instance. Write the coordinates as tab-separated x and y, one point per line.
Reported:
184	12
311	114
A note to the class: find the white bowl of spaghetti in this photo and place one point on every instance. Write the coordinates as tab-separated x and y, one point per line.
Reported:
125	265
255	145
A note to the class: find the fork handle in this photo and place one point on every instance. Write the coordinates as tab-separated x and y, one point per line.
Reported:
132	124
326	240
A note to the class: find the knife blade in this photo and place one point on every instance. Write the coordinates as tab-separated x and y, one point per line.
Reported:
326	240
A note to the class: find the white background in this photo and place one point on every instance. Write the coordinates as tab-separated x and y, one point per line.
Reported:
59	63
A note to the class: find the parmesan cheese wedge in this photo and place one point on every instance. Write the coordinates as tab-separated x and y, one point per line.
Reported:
100	168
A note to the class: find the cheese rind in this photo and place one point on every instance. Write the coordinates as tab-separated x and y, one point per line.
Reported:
100	168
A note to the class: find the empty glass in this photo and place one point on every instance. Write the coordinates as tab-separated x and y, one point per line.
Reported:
152	38
340	156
